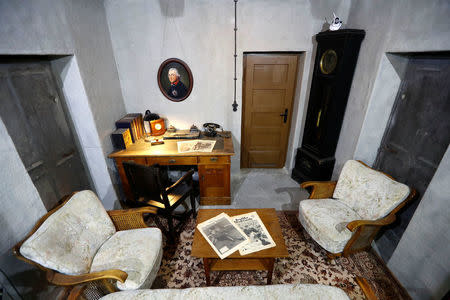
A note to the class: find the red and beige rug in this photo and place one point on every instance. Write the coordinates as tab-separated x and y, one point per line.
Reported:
307	263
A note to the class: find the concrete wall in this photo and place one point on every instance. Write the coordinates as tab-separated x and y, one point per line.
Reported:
57	27
20	205
389	28
145	33
420	260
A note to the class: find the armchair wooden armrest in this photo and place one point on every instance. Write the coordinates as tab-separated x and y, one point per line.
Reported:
185	177
353	225
366	288
319	189
63	279
364	232
130	218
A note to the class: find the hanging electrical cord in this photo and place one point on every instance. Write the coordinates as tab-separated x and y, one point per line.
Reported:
235	105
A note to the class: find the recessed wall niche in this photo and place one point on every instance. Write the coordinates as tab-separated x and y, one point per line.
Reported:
411	97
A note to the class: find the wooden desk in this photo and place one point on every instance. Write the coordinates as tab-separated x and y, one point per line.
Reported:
213	167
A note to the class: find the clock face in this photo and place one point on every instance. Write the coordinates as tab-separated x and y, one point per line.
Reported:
328	61
158	126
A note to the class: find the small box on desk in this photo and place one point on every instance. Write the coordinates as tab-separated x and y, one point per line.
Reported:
121	138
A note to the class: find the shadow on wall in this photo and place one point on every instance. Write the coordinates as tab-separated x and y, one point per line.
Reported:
176	8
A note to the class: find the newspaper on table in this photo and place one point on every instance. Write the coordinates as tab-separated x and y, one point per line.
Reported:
224	236
254	228
196	146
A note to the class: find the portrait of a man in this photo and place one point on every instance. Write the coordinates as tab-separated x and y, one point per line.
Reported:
177	88
175	79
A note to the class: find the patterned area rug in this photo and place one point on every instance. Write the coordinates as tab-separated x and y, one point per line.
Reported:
307	263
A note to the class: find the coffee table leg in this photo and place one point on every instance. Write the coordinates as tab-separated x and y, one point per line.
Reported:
206	265
270	265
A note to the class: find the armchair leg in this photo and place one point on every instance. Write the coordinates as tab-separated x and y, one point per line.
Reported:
332	256
171	229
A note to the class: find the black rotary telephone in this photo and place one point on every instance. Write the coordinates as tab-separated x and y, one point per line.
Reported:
210	129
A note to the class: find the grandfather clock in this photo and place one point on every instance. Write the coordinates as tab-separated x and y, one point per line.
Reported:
337	54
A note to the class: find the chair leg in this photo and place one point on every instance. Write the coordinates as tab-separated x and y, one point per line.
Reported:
194	211
171	229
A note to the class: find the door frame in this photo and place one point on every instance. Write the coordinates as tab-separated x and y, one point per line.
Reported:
298	78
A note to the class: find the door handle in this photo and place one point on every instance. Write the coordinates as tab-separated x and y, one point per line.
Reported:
285	115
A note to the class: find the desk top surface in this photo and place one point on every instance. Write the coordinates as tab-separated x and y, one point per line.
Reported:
223	146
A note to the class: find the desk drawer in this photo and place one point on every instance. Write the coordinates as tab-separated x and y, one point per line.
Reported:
214	160
172	160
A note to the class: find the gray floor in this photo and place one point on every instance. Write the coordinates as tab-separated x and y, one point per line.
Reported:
264	188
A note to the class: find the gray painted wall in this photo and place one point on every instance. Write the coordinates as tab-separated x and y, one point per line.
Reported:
420	260
391	26
55	27
20	205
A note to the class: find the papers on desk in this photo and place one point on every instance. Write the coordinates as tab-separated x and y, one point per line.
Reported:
196	146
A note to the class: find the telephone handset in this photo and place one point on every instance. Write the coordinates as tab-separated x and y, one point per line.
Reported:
210	129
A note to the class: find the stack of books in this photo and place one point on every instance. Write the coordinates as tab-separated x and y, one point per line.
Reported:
133	122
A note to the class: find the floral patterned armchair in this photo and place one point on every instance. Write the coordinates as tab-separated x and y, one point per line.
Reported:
344	216
79	242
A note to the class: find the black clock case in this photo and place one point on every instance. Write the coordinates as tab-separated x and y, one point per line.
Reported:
327	103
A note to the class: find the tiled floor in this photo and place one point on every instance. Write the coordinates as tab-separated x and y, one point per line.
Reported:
264	188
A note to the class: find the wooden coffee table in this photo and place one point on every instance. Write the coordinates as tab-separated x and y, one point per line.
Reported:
261	260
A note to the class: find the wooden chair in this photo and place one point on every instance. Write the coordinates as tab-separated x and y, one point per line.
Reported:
122	220
369	200
149	185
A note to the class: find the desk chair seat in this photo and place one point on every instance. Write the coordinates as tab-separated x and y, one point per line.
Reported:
149	185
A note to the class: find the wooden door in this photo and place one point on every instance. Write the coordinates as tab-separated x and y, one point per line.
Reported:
417	134
268	93
31	108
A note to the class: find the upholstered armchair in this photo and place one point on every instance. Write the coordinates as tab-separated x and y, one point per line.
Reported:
344	216
79	242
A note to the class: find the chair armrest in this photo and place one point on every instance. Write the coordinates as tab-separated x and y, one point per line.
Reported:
130	218
187	176
353	225
366	288
63	279
319	189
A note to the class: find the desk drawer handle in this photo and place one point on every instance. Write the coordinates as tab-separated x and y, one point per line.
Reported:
172	161
214	159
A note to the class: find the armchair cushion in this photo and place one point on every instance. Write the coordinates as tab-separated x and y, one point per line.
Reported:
69	238
137	252
370	193
326	220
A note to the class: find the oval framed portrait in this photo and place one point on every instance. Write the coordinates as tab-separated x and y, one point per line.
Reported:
175	79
